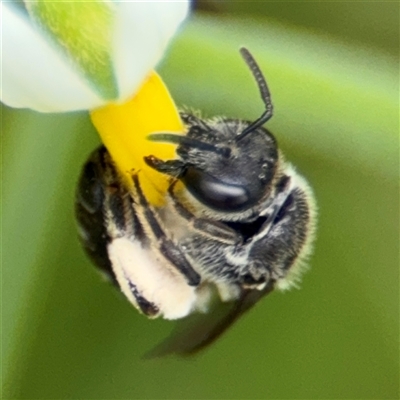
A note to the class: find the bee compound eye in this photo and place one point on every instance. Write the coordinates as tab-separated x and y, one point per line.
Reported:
214	193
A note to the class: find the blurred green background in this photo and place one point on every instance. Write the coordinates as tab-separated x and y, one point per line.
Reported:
333	69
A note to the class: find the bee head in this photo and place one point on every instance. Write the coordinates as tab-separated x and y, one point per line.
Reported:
225	164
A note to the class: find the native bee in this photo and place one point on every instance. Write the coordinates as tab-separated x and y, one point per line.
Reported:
242	225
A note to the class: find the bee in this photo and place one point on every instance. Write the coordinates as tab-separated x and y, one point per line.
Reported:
237	223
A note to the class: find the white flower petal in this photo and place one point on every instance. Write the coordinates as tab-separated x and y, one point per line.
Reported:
143	30
34	74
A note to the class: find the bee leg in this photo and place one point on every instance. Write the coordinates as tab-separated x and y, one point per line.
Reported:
215	230
167	248
268	224
173	168
278	207
287	229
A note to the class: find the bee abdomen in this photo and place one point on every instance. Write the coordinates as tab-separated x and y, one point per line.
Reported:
90	199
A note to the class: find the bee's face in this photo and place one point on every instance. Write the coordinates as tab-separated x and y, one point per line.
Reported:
237	174
251	233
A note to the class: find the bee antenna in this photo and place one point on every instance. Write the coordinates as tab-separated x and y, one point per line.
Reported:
188	141
264	91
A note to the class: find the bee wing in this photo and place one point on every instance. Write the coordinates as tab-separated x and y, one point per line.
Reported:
198	331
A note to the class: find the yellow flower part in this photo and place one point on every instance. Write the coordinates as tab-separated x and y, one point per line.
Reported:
124	129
